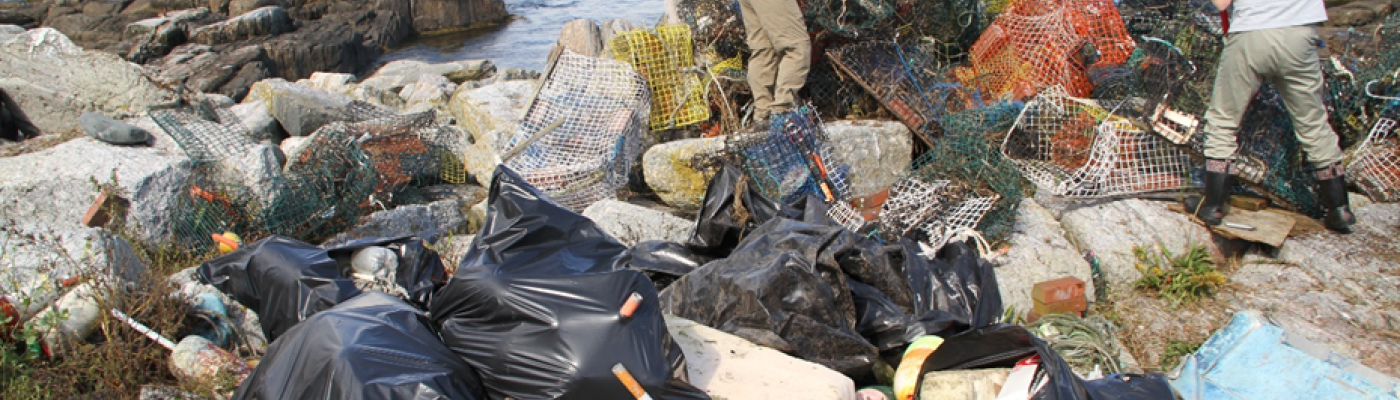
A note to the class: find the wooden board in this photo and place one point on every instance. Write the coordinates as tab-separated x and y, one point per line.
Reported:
1271	226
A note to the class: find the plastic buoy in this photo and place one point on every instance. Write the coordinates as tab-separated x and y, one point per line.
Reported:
906	376
228	242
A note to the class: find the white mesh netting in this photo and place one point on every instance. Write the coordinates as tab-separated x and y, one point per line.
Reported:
1073	147
963	216
1375	164
578	140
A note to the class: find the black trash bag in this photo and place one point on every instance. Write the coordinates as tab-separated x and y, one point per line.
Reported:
535	307
282	279
374	346
1002	345
662	262
781	288
731	208
881	321
955	291
420	271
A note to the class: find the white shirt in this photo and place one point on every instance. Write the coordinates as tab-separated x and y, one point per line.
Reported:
1253	15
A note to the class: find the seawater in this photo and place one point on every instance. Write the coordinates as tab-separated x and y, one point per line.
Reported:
525	41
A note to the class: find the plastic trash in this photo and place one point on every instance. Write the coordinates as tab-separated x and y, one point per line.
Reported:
212	321
536	306
662	262
373	346
196	359
374	262
285	280
72	318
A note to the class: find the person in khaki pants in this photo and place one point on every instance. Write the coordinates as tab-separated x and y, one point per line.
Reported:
782	54
1274	41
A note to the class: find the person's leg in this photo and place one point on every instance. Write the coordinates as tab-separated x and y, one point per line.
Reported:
1299	83
787	31
1236	80
763	61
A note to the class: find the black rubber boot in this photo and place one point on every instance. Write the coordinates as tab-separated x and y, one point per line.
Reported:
1332	188
1211	209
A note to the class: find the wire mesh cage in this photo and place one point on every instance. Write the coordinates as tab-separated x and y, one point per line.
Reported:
849	18
666	59
908	80
580	137
716	25
206	205
327	187
914	201
395	144
1363	78
974	162
204	132
953	22
1375	164
792	159
1074	147
1032	44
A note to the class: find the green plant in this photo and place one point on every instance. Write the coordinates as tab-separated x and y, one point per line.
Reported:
1175	352
1180	278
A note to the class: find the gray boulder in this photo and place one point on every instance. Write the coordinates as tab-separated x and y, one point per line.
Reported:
582	36
266	21
397	74
431	15
55	82
1112	229
320	45
877	151
104	128
240	7
54	187
1038	252
300	110
429	222
632	224
201	68
35	251
257	117
680	171
428	93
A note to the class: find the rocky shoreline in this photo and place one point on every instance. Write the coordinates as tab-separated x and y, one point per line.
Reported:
286	68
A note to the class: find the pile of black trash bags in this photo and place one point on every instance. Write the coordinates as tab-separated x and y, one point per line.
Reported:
535	309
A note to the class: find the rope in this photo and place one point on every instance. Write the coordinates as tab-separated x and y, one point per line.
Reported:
1084	343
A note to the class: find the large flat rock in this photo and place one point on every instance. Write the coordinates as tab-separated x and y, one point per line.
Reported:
55	81
679	171
55	187
1039	252
632	224
726	366
1112	229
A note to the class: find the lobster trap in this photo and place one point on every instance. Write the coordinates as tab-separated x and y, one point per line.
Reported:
403	148
1375	164
206	133
666	59
991	188
716	25
1363	79
908	80
1073	147
849	18
206	205
326	187
1033	44
792	159
579	139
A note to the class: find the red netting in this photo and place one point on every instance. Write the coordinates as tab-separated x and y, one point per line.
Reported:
1036	43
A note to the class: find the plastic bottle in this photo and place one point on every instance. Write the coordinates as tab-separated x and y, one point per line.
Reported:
39	292
83	312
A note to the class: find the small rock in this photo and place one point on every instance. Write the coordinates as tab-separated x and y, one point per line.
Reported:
632	224
680	171
429	222
104	128
727	366
582	36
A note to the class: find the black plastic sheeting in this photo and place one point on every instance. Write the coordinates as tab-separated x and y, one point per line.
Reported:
373	346
662	262
534	306
285	280
1003	345
797	282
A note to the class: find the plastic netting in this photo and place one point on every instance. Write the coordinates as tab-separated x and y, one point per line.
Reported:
206	205
578	140
908	80
792	159
991	122
206	133
1364	61
404	148
836	95
844	214
913	201
974	162
953	22
1032	44
1073	147
1374	165
716	25
850	18
666	59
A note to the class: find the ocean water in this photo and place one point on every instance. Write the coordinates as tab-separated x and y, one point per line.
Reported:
525	41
